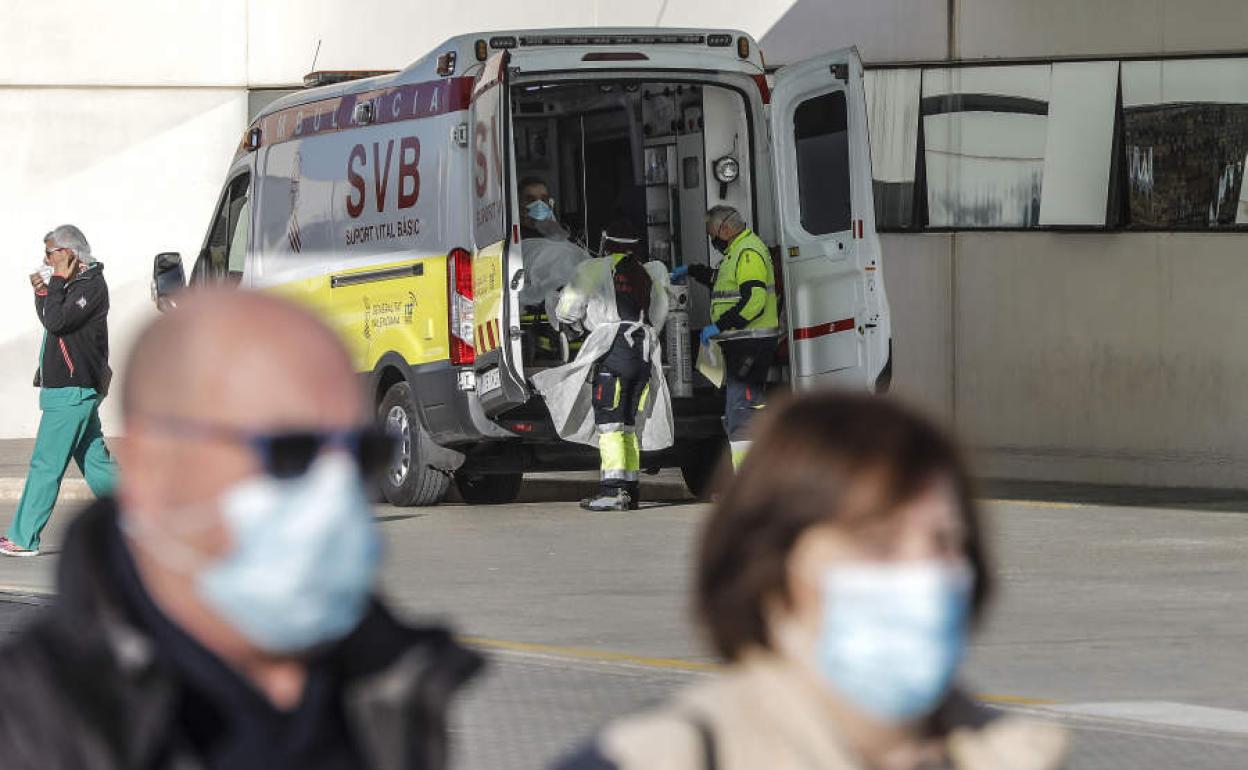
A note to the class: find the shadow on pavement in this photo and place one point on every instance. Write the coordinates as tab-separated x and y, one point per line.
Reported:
574	486
1182	498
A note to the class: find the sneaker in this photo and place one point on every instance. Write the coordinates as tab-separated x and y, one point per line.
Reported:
9	548
610	500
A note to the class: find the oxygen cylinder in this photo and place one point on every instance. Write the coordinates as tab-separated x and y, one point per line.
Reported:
676	344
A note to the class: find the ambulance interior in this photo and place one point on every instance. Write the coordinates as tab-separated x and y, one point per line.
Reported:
646	151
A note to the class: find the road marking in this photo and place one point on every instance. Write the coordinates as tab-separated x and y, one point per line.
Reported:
610	656
599	656
1050	504
670	664
1165	713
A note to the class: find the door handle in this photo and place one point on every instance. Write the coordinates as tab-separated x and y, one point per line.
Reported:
517	279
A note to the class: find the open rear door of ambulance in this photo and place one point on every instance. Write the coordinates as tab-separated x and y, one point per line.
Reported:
496	261
836	312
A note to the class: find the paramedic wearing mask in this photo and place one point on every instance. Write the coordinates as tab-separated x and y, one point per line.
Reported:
550	259
744	318
220	613
618	371
537	211
840	575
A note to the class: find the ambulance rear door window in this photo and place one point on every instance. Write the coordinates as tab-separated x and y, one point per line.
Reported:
821	137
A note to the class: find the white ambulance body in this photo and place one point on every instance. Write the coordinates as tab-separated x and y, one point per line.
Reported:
390	205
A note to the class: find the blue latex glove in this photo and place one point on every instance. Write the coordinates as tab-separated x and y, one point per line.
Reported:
707	332
680	272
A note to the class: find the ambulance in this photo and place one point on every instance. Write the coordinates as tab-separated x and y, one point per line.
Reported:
390	205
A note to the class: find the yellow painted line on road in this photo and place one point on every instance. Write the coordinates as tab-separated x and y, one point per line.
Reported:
610	656
597	656
1012	700
672	664
1038	504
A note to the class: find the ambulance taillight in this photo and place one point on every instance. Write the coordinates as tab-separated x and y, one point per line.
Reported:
459	294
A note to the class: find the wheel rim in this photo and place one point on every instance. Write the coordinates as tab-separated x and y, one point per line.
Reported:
399	426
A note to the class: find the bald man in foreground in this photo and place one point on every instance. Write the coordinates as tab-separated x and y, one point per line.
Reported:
220	612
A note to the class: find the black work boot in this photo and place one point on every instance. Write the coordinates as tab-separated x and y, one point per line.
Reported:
609	499
634	495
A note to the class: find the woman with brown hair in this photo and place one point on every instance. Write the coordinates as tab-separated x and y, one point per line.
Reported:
839	575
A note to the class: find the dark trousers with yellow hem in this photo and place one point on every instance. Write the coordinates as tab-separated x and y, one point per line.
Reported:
621	386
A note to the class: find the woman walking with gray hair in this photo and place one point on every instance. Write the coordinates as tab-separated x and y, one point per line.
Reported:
840	576
71	300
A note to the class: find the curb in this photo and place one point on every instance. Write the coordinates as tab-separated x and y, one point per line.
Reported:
76	489
72	490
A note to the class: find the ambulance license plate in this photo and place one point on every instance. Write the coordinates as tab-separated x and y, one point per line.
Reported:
489	380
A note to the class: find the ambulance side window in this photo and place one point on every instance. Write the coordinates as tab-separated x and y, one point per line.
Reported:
821	136
223	258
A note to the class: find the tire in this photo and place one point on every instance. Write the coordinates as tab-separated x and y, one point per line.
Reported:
409	481
488	488
701	465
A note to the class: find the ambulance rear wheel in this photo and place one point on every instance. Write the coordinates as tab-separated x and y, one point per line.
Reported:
701	464
488	488
409	480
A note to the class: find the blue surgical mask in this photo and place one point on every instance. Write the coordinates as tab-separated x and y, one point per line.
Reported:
893	634
540	211
304	558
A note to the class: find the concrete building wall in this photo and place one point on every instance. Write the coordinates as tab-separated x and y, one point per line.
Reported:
1107	358
1006	29
121	118
918	274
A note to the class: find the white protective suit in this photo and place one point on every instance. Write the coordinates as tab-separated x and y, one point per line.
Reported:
549	264
590	300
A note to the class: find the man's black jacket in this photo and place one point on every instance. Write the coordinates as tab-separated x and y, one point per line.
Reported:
75	314
83	688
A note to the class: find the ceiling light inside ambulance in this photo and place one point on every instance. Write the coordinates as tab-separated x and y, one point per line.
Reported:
727	169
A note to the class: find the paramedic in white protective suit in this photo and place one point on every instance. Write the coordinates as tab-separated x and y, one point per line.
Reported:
550	258
618	372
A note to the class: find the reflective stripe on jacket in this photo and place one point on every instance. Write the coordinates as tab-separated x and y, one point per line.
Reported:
743	299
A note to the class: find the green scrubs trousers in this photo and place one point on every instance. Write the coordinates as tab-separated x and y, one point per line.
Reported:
69	429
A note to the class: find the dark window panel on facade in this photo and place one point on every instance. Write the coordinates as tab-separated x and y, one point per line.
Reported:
1185	138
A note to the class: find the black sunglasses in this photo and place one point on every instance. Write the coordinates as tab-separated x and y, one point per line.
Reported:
289	454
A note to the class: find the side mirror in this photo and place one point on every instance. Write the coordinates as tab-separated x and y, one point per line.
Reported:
168	278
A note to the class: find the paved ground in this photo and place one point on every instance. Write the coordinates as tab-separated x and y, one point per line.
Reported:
1128	622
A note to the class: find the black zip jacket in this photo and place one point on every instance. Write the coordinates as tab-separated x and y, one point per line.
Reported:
75	314
85	688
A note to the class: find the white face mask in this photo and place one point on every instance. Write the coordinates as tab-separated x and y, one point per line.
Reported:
303	559
893	634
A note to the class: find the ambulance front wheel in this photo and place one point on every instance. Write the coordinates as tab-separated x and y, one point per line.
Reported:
409	480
